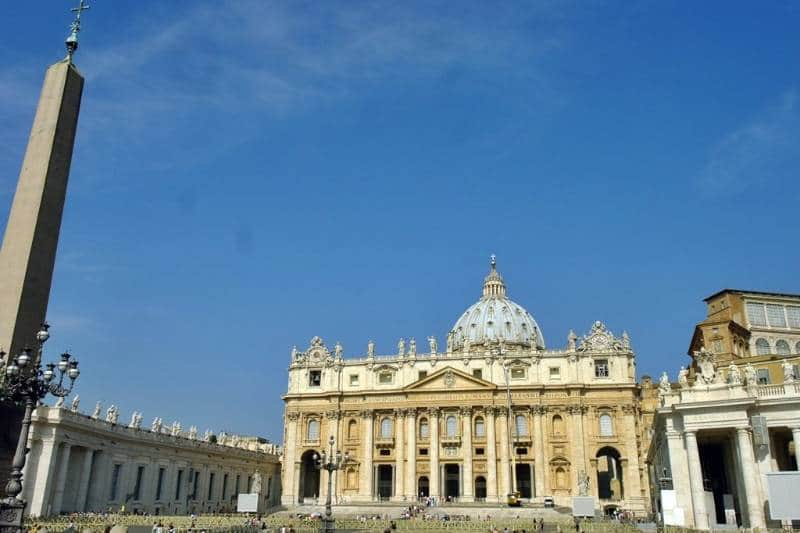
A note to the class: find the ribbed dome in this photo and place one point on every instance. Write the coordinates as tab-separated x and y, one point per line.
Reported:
495	317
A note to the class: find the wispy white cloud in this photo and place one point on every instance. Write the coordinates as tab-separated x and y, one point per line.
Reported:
756	153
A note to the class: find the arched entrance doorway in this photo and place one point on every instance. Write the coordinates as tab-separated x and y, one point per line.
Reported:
309	477
385	481
609	474
423	487
480	488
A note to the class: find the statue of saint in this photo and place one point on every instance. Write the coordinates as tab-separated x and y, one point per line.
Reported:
193	433
111	414
371	349
412	347
572	340
683	377
583	484
433	345
97	408
734	375
664	386
60	402
451	337
76	401
788	372
401	347
750	375
337	350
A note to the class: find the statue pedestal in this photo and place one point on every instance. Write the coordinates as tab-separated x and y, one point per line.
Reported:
11	510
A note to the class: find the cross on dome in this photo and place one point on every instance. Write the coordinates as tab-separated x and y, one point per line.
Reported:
75	27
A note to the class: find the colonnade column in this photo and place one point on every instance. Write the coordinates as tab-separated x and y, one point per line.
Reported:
468	481
538	450
796	437
365	487
505	462
752	486
291	481
83	488
411	460
696	481
61	479
43	477
491	456
433	483
399	486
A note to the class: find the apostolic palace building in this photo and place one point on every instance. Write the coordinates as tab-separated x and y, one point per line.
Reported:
492	413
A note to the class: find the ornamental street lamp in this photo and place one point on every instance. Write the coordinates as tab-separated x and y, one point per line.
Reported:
27	384
330	462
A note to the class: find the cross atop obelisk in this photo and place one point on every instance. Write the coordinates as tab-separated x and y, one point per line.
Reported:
28	253
75	27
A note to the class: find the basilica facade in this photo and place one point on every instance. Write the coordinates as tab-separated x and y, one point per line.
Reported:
493	413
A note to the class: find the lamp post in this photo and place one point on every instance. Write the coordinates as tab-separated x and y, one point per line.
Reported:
330	462
26	383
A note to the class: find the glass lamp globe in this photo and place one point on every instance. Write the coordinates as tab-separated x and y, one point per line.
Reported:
23	359
43	334
64	363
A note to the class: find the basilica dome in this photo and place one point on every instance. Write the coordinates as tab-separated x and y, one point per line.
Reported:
494	317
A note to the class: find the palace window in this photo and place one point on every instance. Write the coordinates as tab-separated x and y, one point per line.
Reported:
451	426
160	484
386	428
601	368
480	427
762	347
353	379
210	485
423	451
606	428
756	314
521	425
763	376
424	429
480	451
178	485
793	314
423	374
782	347
518	373
775	316
385	377
477	373
314	378
555	372
313	430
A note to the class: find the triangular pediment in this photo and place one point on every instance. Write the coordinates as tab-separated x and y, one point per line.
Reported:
449	379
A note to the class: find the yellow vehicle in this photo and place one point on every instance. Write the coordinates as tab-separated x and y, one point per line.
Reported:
513	500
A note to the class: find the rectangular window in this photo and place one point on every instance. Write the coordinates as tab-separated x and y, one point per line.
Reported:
353	379
385	451
194	485
479	451
137	488
269	486
224	486
793	314
717	346
775	316
423	451
517	373
477	373
601	368
385	377
210	485
236	486
522	451
763	376
249	484
314	378
423	374
160	484
178	485
756	314
115	481
555	372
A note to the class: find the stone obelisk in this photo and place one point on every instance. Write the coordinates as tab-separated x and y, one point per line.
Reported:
29	246
28	253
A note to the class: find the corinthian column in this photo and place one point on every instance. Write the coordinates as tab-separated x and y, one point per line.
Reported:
469	482
505	461
538	450
291	481
411	461
577	442
696	481
491	456
752	487
365	491
399	417
433	412
633	482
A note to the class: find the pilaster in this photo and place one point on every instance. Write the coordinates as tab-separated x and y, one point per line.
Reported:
61	479
467	478
492	484
433	413
43	481
365	488
538	450
86	472
399	430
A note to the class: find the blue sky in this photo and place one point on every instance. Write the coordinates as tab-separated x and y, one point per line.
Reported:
250	174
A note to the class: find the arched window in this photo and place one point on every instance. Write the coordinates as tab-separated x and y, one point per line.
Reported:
480	427
424	429
782	347
606	428
386	428
558	425
352	429
762	347
451	426
521	424
313	429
